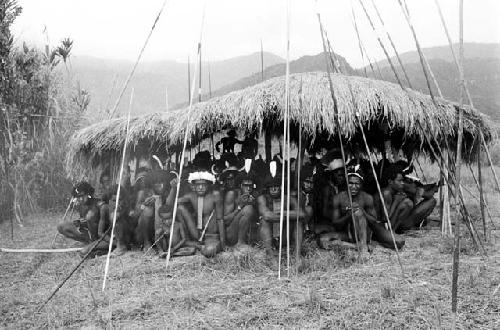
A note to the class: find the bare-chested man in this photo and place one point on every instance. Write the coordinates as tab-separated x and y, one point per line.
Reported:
306	199
125	224
335	183
362	213
239	207
422	196
180	244
83	229
269	205
206	225
397	203
148	202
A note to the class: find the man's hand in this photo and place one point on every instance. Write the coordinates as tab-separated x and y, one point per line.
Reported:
173	183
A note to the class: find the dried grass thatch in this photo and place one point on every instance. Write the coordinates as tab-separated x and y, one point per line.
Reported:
411	116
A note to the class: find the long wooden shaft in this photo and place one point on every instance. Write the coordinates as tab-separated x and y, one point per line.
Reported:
184	145
337	125
127	81
481	193
113	224
73	271
456	245
392	44
381	43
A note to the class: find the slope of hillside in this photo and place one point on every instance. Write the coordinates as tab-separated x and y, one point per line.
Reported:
306	63
104	78
482	74
471	50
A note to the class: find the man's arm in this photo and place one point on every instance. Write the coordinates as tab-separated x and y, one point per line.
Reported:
369	208
219	217
325	212
264	211
337	217
182	235
103	214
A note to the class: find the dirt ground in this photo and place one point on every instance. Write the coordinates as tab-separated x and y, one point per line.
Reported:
327	289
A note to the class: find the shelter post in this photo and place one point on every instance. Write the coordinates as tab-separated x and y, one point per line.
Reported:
481	192
268	145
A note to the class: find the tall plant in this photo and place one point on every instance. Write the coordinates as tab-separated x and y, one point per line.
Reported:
39	111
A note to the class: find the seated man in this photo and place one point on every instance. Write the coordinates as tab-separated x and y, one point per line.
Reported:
335	183
269	206
84	229
125	224
306	197
180	245
362	214
239	208
422	196
396	201
207	224
148	203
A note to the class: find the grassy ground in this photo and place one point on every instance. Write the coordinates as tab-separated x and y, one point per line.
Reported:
329	289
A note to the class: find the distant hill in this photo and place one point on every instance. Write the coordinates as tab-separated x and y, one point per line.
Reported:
303	64
104	78
471	50
481	70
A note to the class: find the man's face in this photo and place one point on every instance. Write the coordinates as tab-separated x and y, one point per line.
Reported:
200	187
167	218
409	187
355	184
246	187
275	191
397	183
118	209
307	185
338	176
106	181
81	199
159	188
230	181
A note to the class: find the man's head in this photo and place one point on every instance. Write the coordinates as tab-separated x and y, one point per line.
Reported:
82	192
355	184
200	182
105	180
123	206
394	178
246	182
307	178
157	180
228	177
355	179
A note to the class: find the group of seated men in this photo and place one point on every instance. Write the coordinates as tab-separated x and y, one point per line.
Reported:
236	202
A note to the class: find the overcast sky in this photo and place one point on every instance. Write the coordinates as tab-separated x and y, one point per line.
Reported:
118	28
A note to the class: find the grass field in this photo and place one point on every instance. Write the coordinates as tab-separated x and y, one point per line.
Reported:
327	289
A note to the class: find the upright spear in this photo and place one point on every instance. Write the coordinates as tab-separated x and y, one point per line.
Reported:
456	245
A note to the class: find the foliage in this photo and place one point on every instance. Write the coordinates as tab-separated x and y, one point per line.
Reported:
39	109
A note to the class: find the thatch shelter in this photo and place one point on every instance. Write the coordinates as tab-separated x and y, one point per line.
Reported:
411	119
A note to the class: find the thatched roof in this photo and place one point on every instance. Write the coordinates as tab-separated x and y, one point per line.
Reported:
411	115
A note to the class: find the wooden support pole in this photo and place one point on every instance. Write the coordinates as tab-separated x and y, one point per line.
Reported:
481	192
456	245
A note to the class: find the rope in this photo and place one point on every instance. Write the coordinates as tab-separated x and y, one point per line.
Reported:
285	134
106	267
184	144
7	250
127	81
